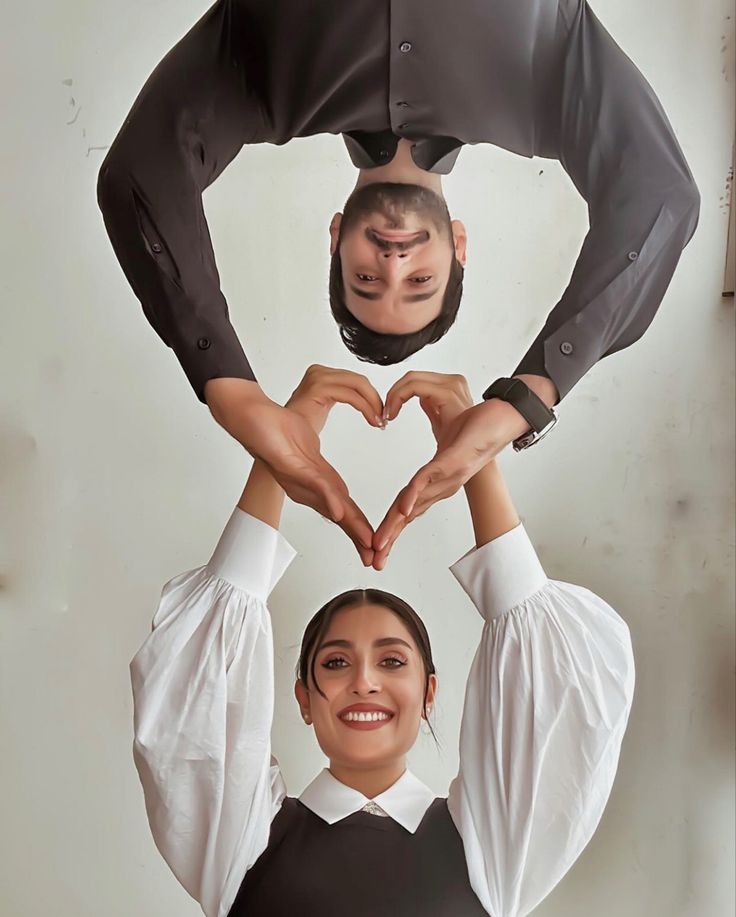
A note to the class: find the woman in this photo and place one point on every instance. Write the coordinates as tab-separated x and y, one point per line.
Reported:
546	706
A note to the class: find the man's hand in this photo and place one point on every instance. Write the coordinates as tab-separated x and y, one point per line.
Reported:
286	439
468	437
322	387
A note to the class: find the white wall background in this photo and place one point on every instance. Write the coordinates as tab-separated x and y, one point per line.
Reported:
113	478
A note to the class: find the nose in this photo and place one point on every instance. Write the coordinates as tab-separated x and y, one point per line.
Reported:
391	262
363	681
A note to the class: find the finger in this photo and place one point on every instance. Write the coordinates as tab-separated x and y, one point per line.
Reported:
366	555
438	490
356	398
325	483
424	489
380	557
335	504
343	510
413	385
356	526
426	475
363	385
388	530
333	378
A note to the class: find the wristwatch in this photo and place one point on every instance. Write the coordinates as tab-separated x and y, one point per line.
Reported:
540	418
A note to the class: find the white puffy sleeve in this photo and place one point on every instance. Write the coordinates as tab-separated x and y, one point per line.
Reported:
546	705
203	698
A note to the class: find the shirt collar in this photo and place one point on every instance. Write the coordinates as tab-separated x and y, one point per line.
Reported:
405	801
368	149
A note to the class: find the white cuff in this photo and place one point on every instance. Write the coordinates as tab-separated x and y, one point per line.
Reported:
500	574
251	554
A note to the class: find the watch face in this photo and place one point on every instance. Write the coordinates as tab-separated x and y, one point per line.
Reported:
530	438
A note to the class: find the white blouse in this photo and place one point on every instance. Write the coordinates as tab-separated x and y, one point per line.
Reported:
546	705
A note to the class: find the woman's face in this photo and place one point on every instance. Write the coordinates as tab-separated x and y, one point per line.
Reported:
367	657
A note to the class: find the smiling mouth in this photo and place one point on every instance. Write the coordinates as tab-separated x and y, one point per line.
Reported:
366	723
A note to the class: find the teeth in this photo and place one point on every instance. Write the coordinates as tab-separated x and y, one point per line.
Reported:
366	717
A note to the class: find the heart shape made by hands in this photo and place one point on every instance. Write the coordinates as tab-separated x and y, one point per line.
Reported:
443	399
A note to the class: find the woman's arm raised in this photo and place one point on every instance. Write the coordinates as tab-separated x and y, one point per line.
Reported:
203	698
489	500
262	497
546	702
203	687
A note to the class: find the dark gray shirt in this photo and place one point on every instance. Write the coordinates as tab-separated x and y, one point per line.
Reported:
537	77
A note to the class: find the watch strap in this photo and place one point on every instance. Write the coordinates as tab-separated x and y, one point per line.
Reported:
518	394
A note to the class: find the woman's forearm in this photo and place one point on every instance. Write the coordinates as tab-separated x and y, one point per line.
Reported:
491	509
263	497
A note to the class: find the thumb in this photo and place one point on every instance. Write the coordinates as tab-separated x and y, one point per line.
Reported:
414	488
333	501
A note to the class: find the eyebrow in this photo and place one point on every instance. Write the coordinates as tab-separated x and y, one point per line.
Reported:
384	641
416	297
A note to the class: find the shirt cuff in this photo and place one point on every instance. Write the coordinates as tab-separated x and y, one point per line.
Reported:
251	554
210	350
500	574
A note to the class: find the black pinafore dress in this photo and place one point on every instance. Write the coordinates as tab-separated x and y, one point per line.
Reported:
364	865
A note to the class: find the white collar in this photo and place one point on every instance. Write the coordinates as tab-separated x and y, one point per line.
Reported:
405	801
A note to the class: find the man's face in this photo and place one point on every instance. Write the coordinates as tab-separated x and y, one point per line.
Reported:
396	246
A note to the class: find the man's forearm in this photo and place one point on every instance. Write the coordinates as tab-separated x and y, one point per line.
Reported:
505	423
225	395
542	386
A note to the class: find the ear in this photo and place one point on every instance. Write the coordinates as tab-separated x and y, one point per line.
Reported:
431	689
334	232
302	696
461	241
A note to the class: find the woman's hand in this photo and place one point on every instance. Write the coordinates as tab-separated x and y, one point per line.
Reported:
322	387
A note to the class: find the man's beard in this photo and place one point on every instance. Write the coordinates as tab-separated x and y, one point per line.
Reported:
395	201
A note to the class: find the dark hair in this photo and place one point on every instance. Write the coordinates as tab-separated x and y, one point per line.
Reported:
385	349
320	624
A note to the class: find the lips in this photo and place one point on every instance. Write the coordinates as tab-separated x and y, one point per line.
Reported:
395	235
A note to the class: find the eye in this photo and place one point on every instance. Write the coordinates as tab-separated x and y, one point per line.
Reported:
397	659
369	278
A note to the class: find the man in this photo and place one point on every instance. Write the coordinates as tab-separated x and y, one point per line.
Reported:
407	83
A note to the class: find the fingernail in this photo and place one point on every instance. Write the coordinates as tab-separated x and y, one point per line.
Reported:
380	421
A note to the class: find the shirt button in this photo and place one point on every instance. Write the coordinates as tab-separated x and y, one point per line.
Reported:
566	347
203	343
156	247
405	46
403	104
403	127
633	256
